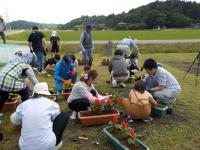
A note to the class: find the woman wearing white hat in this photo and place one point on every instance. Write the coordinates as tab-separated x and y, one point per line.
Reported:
55	43
42	122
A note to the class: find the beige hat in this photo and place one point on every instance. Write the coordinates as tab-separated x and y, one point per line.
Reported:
41	88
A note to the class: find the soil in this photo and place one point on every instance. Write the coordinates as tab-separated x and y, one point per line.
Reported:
90	113
118	136
185	66
12	98
67	90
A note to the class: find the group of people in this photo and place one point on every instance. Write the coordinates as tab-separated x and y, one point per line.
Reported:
42	121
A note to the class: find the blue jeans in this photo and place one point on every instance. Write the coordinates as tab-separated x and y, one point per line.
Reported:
40	60
88	56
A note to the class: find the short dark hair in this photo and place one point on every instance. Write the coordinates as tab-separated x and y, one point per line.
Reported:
150	64
73	57
132	56
57	57
140	86
87	67
118	52
35	28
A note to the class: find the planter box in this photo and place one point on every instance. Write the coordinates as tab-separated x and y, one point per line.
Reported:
159	111
81	62
10	106
105	63
65	95
117	144
87	119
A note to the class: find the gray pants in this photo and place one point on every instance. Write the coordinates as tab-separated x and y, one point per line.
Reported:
88	56
166	96
2	34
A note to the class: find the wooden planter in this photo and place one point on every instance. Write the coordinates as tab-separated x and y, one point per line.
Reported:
9	106
118	145
105	63
65	95
87	118
158	111
81	62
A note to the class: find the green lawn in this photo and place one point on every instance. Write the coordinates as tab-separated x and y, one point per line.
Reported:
177	131
169	34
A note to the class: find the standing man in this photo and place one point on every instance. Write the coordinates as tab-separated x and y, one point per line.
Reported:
2	29
87	45
129	44
38	45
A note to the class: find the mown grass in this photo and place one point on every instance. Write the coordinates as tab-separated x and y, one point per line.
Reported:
169	34
172	132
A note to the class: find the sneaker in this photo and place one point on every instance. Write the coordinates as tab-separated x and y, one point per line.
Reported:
73	115
49	75
35	69
149	119
1	114
57	147
123	85
43	72
114	83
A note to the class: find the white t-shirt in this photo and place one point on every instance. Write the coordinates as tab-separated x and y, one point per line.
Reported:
37	116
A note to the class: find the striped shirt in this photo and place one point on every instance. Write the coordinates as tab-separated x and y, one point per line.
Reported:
163	77
81	90
10	75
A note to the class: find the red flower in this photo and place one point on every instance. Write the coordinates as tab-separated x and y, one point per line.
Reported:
118	102
132	132
124	124
115	119
98	102
108	102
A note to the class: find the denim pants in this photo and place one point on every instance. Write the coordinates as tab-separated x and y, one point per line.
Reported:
40	60
167	96
88	56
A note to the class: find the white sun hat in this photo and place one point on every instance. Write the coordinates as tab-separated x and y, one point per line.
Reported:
54	33
41	88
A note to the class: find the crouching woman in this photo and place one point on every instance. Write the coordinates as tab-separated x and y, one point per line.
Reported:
139	103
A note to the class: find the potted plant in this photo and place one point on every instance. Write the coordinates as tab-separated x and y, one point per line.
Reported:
81	62
102	111
67	88
105	61
12	102
123	137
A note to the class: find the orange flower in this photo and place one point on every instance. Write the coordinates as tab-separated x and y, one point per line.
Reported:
132	132
108	102
118	102
124	124
115	119
98	102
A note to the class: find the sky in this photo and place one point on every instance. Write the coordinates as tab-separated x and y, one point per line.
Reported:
63	11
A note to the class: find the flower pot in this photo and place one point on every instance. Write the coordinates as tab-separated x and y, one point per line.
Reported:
81	62
9	106
65	95
88	118
118	145
159	111
105	63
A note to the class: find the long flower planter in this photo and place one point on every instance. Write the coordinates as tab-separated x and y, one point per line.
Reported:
87	118
159	111
10	106
117	144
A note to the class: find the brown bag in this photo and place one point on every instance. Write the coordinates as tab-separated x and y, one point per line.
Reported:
137	110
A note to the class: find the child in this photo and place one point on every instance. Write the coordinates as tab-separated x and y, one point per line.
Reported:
55	43
132	65
138	105
87	68
74	60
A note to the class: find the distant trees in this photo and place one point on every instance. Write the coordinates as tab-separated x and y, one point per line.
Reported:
170	13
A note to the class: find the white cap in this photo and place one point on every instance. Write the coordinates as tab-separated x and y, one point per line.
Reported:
54	33
41	88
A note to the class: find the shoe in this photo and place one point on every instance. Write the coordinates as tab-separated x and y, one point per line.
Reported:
114	83
43	72
49	75
57	147
1	114
149	119
73	115
123	85
35	69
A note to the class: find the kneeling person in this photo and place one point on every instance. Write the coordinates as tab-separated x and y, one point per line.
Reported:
42	122
50	64
161	83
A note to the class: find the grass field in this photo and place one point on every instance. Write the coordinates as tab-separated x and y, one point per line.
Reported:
169	34
179	131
